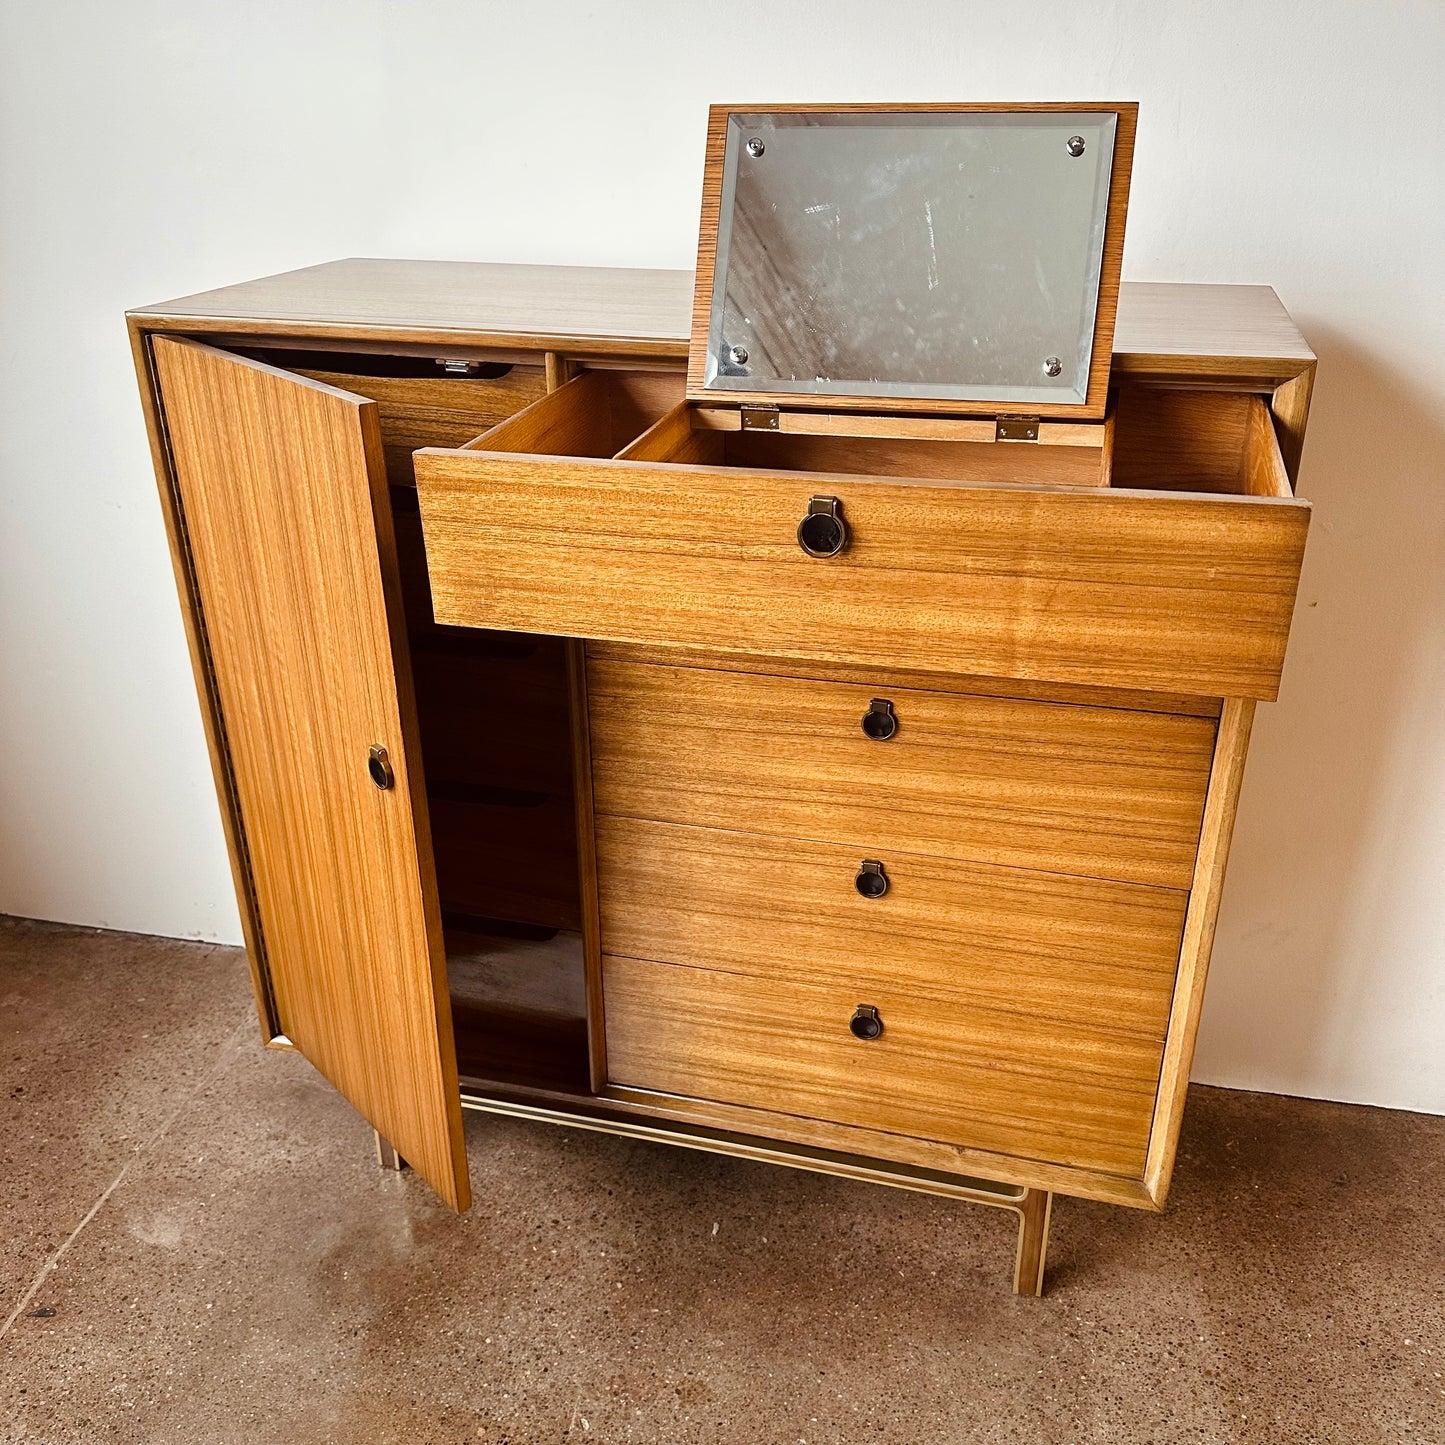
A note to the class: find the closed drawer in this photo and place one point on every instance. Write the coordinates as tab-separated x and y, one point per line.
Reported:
1096	792
691	539
1070	954
943	1068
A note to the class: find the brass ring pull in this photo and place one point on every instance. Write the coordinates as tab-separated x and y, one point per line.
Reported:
379	766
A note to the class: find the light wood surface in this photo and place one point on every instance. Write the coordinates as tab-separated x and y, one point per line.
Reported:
1080	953
593	414
1218	338
1034	1217
882	678
1262	470
1093	792
1096	399
440	411
897	428
585	310
1096	586
1290	407
198	645
284	492
1220	808
1239	335
940	1070
689	436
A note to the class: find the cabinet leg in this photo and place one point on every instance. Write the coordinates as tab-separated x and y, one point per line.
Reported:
1034	1213
386	1156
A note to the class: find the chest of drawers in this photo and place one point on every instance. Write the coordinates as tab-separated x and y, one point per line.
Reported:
561	780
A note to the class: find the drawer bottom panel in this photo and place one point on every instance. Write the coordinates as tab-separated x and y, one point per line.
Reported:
940	1069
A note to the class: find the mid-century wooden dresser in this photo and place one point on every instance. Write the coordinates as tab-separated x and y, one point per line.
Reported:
843	785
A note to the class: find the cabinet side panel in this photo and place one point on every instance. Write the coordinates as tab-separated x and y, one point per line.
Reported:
280	480
1220	806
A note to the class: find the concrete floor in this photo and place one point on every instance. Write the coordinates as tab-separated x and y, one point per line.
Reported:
199	1248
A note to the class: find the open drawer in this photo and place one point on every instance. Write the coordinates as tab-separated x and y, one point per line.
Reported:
963	554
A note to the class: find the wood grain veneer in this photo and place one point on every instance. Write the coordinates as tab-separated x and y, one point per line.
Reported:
1220	808
1096	586
203	671
1092	792
440	411
1238	336
1080	953
687	435
591	414
284	491
1213	339
941	1070
882	678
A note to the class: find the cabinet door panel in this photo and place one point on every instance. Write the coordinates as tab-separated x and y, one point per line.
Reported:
283	490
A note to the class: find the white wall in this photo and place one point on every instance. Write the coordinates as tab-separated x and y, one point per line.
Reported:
155	147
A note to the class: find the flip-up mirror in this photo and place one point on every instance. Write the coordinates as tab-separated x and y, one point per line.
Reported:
961	255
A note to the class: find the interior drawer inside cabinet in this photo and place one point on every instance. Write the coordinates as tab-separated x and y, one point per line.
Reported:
420	403
693	536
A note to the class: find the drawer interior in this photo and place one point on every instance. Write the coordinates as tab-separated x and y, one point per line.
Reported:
1169	439
596	414
937	449
1156	439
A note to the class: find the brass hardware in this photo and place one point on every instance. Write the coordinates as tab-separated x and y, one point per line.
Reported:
865	1023
1031	1206
386	1154
879	722
379	766
1017	429
760	418
872	881
823	532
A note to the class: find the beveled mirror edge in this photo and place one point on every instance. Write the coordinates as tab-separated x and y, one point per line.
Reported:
1101	357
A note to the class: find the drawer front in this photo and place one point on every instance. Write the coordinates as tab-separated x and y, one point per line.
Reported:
1069	955
941	1069
1093	792
1089	585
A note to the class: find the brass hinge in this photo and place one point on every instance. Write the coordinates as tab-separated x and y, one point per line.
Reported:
1016	429
760	418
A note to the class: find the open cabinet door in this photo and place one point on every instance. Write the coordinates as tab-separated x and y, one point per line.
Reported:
283	491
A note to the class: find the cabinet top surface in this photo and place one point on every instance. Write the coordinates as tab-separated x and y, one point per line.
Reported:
1162	328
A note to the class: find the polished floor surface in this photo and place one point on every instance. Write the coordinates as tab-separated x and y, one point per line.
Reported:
196	1246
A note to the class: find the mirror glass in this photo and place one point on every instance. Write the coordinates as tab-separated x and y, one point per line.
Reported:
911	254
